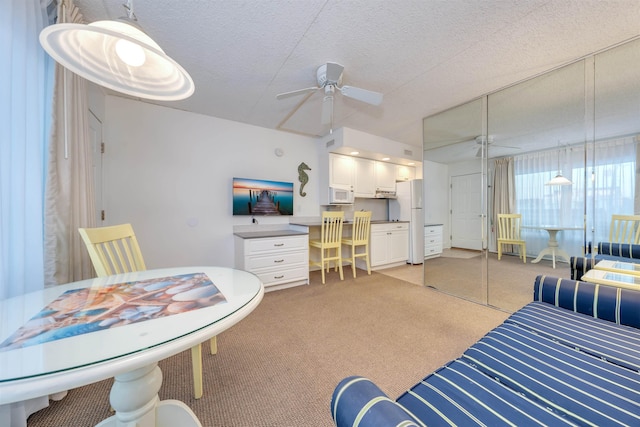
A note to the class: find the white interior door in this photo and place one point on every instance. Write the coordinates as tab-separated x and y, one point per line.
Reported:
466	211
95	133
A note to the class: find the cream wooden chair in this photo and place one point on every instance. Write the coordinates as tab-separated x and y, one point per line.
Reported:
115	250
509	234
625	229
330	240
359	237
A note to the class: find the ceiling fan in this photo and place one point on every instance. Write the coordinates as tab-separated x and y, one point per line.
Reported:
480	139
329	78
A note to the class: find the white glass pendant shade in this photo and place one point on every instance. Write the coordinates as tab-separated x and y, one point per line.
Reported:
118	56
558	180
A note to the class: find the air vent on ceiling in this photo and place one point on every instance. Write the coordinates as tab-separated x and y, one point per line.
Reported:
408	153
330	143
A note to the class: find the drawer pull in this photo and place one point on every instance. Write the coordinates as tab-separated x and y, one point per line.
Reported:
278	244
278	260
278	277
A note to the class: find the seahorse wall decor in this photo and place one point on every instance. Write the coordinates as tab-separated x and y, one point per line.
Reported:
303	177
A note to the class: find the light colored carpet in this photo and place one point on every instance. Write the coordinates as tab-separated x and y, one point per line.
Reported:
506	284
460	253
279	366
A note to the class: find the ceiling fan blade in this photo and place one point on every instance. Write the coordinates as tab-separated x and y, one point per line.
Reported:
296	92
334	72
327	110
368	96
506	146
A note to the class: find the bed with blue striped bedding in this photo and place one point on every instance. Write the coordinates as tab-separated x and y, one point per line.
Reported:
571	357
576	385
618	344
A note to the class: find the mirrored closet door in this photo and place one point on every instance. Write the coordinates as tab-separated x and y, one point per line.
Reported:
505	152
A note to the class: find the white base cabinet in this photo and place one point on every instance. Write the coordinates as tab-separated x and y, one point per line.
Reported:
280	262
389	244
432	241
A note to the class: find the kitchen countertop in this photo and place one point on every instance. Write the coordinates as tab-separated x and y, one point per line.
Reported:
317	223
268	233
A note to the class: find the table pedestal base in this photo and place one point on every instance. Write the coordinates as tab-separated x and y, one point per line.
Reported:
552	248
554	252
134	396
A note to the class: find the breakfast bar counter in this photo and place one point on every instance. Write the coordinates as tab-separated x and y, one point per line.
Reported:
267	233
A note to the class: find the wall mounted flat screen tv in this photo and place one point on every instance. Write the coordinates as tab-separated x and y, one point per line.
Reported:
262	197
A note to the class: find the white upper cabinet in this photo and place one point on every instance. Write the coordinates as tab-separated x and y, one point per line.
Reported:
365	185
341	171
405	173
363	176
385	178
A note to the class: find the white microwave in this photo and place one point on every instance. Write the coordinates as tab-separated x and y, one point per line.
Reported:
340	196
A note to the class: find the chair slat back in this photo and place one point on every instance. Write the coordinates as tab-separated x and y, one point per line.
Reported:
361	227
509	226
331	230
625	229
113	249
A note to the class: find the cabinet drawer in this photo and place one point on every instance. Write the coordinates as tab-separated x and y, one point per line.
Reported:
284	259
432	250
432	240
431	231
277	276
256	246
377	228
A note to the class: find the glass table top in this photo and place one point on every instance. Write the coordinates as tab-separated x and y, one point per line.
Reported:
100	320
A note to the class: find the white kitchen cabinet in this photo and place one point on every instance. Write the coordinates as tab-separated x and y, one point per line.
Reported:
389	244
279	261
405	173
385	176
432	241
341	171
364	181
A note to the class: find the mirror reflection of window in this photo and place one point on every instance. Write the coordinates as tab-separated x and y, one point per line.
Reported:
579	121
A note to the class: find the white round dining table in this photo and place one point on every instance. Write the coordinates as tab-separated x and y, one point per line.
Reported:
132	321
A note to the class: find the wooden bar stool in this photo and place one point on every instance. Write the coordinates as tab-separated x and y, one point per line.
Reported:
359	237
330	240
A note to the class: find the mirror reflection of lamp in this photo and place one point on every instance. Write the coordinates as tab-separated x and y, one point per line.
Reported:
559	179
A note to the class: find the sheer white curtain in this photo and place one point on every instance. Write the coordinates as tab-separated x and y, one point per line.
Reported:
612	188
25	101
504	194
70	199
25	108
551	205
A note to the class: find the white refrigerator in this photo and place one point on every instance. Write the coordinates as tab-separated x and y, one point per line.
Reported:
407	206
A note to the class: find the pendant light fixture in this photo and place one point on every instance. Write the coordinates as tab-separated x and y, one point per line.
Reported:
559	179
118	55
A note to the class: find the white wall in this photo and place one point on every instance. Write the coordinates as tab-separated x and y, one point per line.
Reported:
169	173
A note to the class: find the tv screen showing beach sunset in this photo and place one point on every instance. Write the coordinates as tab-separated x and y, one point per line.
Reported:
262	197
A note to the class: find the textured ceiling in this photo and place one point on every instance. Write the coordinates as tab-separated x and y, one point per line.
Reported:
425	55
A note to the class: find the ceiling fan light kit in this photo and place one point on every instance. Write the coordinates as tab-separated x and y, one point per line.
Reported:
118	55
329	78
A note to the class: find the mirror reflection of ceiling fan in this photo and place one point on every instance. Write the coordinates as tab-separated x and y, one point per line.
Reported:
329	78
480	139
